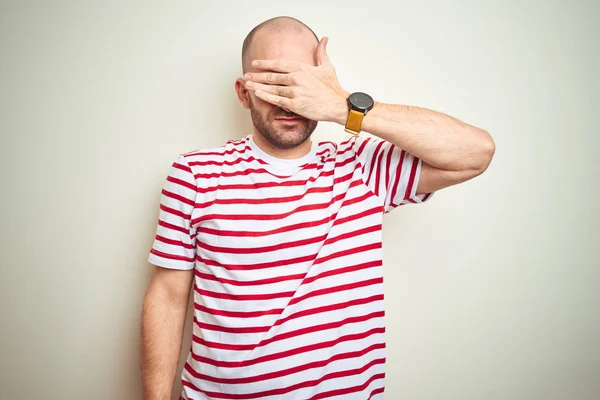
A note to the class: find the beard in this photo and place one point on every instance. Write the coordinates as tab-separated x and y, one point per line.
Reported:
281	135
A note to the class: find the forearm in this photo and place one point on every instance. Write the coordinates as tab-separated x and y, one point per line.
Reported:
436	138
162	332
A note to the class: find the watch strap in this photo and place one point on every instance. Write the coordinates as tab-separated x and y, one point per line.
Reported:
354	122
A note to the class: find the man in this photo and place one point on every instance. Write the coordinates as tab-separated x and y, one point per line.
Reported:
282	236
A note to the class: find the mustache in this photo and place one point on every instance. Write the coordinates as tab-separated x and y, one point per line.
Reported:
284	114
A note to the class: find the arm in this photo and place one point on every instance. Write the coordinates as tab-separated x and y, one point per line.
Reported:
163	318
452	151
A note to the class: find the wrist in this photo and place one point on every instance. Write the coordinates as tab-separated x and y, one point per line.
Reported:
340	113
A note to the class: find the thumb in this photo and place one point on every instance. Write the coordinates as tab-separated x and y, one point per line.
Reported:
322	57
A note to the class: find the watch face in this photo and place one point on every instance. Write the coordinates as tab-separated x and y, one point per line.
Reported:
360	101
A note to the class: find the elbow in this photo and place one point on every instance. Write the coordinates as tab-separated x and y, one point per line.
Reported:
486	151
481	155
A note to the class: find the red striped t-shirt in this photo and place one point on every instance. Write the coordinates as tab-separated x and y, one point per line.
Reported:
287	257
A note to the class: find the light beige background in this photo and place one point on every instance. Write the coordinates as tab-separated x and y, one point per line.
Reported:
492	287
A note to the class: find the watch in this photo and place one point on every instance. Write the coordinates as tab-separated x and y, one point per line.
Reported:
359	104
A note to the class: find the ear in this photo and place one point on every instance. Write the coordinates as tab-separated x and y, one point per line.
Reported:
242	93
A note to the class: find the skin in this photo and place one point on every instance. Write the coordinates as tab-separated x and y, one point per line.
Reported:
283	139
292	75
163	318
452	151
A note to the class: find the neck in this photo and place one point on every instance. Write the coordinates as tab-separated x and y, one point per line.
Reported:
287	154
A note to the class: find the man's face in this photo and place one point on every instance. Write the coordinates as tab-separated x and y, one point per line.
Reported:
268	119
271	122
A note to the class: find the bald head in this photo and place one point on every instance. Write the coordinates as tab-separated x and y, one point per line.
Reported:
263	38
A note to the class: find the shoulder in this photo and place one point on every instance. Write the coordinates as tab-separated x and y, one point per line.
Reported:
215	156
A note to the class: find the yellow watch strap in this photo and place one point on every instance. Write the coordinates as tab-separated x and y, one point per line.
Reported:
354	122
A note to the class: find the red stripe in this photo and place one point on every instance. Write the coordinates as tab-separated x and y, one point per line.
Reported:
173	227
257	171
335	289
287	353
219	153
397	177
270	217
240	160
202	152
181	182
360	198
173	242
248	149
302	225
175	212
255	282
323	153
288	245
362	146
284	278
178	197
296	260
388	166
317	310
342	253
272	264
223	346
343	270
358	232
240	330
259	185
373	164
310	329
263	249
378	170
294	227
237	314
171	256
365	213
299	314
267	200
332	307
243	297
182	167
411	180
253	314
353	389
299	368
376	391
311	383
283	295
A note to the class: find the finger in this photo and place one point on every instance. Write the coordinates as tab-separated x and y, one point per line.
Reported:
271	78
283	102
322	57
279	65
283	91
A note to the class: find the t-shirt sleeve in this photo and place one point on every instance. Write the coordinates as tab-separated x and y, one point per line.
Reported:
391	173
175	242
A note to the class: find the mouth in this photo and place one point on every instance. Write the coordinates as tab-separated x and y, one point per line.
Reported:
290	120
